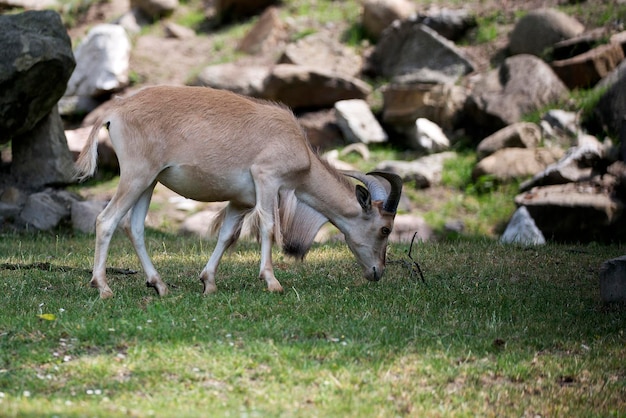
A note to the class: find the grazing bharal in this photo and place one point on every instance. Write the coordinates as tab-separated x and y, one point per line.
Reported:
213	145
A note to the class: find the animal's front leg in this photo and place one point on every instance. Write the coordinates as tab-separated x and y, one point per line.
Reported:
266	227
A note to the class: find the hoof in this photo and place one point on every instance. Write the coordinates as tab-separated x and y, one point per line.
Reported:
159	287
275	288
209	288
104	290
106	293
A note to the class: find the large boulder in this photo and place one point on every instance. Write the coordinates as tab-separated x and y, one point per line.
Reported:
378	14
41	156
575	212
412	51
538	31
36	61
309	87
322	51
585	70
611	108
102	62
522	84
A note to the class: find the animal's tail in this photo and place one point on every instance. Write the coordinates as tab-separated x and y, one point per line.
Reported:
87	161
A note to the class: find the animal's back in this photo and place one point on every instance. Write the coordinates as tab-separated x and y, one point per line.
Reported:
203	142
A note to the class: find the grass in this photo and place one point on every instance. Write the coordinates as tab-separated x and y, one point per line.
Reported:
495	331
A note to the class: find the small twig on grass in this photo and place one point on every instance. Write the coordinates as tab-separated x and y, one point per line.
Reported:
415	265
412	265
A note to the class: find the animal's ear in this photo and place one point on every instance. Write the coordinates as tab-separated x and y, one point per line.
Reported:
364	197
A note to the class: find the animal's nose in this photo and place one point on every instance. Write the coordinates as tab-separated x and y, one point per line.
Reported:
375	274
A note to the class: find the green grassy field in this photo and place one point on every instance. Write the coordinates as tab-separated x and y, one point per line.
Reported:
495	331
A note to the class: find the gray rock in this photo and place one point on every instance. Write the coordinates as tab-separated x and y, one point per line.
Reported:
406	226
425	171
507	164
522	84
357	122
539	30
243	79
322	51
575	212
522	229
439	103
43	212
42	157
412	52
102	62
585	70
576	165
517	135
84	213
428	136
36	60
379	14
155	8
268	34
308	87
611	108
613	280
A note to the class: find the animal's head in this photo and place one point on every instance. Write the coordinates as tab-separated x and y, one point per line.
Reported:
367	239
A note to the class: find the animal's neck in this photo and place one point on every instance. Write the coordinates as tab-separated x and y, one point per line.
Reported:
327	192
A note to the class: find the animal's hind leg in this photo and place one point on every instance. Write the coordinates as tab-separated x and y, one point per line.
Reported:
266	209
125	197
134	226
229	232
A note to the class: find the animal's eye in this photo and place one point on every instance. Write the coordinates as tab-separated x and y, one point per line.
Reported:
385	231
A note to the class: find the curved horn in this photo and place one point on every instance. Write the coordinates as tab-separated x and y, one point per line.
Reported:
392	201
375	187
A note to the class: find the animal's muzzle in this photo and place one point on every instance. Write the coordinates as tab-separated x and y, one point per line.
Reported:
375	274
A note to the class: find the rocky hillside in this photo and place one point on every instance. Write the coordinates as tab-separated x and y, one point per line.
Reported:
423	81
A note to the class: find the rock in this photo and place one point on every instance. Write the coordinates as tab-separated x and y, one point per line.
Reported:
199	223
36	60
229	10
522	84
30	4
248	80
560	128
522	229
379	14
585	70
306	87
321	129
155	8
413	52
517	135
42	157
43	212
439	103
576	165
507	164
613	280
268	33
102	62
425	171
611	108
407	226
579	44
539	30
172	30
84	213
619	38
323	52
575	212
357	122
452	24
429	137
